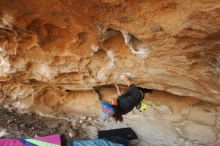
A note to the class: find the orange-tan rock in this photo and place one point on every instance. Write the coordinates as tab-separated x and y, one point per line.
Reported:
77	46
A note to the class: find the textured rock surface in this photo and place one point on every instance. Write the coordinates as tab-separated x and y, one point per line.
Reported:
202	117
78	45
62	56
202	134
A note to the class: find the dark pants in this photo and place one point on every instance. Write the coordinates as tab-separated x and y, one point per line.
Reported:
129	100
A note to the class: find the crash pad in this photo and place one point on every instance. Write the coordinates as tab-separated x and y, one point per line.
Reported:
96	142
51	140
126	133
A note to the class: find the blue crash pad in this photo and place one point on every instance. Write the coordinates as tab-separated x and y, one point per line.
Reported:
96	142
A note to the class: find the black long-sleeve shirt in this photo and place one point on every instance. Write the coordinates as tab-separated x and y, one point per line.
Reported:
127	101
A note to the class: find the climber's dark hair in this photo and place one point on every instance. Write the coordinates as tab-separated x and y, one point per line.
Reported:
117	115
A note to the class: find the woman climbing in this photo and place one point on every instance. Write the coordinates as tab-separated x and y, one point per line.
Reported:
116	107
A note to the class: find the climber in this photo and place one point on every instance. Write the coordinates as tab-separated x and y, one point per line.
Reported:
116	107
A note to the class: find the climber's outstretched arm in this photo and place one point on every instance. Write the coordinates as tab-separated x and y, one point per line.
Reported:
118	90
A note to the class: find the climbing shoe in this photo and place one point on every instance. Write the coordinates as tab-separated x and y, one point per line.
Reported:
142	106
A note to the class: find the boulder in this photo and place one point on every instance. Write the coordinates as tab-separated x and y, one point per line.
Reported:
202	134
202	117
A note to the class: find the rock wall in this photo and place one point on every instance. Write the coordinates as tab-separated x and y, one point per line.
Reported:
63	56
77	45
